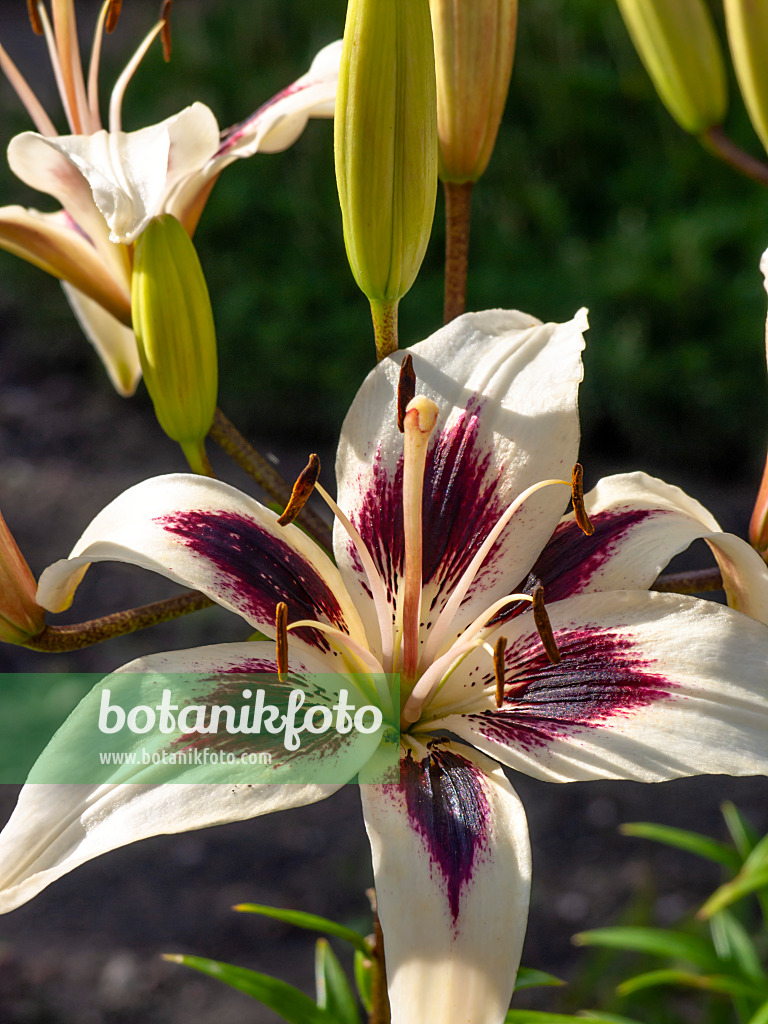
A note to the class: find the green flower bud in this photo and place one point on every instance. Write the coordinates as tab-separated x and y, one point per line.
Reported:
386	145
173	322
747	23
677	43
474	51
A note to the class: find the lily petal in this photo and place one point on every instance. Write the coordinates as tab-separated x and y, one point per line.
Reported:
451	861
205	534
506	388
640	523
650	687
57	827
51	242
114	342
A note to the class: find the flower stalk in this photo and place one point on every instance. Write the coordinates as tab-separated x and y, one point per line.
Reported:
458	200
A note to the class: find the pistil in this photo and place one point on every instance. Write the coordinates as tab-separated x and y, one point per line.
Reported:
419	422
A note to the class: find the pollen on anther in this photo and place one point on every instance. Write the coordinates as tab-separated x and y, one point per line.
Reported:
113	14
165	33
498	668
301	492
406	390
34	17
281	638
577	497
544	628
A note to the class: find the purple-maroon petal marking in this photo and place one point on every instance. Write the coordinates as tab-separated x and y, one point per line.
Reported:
601	677
448	808
257	569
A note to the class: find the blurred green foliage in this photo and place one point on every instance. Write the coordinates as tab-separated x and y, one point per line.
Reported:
594	197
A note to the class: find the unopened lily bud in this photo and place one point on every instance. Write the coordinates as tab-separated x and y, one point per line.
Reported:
474	51
747	24
677	43
386	144
173	322
20	615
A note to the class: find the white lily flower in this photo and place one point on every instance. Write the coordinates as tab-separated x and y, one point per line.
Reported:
111	183
441	536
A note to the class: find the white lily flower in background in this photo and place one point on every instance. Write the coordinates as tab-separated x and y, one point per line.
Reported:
442	533
111	183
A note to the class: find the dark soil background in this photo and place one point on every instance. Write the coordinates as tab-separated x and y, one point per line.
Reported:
87	950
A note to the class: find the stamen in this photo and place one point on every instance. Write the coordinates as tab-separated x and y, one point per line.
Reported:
165	35
498	668
34	17
113	15
363	655
541	618
406	390
93	67
58	73
577	496
32	104
420	419
116	99
68	47
281	638
302	491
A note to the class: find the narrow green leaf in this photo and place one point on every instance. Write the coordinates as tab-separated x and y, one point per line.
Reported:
333	991
290	1003
722	983
659	941
761	1017
743	835
733	942
541	1017
364	980
312	922
682	839
746	882
606	1018
527	977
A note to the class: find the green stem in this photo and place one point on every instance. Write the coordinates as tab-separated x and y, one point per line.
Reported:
194	452
717	142
458	212
384	316
230	440
698	581
55	639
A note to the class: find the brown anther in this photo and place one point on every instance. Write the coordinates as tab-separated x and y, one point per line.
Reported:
34	17
577	497
113	15
498	668
281	638
301	492
406	390
541	618
165	31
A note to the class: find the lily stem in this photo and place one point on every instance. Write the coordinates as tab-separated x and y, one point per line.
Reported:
717	142
698	581
380	1009
458	201
55	639
230	440
384	316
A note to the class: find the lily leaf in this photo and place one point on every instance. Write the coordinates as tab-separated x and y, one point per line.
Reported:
289	1002
364	979
761	1017
724	983
733	942
742	833
527	977
682	839
312	922
658	941
751	879
333	991
541	1017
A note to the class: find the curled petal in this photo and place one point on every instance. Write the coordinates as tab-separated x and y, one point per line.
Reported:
57	827
506	389
114	342
451	862
205	534
650	687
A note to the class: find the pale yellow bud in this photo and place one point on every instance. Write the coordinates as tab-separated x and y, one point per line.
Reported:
677	43
747	23
173	322
474	51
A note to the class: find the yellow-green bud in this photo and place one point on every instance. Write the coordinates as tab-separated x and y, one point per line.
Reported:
21	617
677	43
386	143
747	23
173	322
474	51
